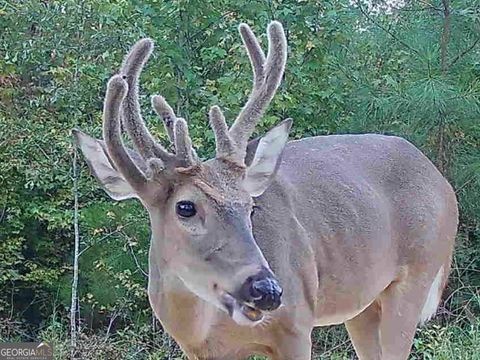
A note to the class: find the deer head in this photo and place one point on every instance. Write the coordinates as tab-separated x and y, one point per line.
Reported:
199	211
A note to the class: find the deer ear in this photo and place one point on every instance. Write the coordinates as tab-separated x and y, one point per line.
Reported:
264	164
102	167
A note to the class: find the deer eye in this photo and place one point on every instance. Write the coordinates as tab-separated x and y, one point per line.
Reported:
186	209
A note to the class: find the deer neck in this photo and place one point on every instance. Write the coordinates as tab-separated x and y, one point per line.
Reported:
182	313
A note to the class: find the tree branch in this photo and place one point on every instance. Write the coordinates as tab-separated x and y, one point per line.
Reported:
464	52
429	5
106	236
137	263
380	26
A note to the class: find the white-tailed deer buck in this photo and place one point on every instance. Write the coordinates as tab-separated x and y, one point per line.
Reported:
354	229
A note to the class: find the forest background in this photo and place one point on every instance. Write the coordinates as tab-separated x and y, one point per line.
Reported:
404	67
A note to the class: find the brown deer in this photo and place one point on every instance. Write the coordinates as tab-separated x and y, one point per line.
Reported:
354	229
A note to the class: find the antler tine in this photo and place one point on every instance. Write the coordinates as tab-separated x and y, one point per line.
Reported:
117	89
276	58
255	53
131	69
166	113
224	144
267	77
183	145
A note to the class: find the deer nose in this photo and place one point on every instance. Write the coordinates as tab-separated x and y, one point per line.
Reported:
266	293
262	290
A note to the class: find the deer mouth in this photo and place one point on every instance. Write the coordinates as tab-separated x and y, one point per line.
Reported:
251	313
240	311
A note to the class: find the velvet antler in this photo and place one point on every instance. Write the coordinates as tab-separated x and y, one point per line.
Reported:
122	100
267	77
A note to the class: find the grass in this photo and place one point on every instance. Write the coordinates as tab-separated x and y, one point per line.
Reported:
433	342
455	334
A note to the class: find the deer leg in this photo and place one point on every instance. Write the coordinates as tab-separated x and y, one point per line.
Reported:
401	307
364	332
293	348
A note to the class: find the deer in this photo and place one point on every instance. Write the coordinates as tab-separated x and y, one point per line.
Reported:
252	249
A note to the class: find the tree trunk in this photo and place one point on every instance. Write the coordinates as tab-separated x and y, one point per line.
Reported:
442	116
74	301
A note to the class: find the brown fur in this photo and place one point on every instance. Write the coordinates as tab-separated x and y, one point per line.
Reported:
349	220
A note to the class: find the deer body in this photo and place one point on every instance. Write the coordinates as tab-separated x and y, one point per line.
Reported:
354	229
358	214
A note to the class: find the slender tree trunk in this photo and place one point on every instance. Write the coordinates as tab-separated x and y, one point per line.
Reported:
74	301
442	116
445	39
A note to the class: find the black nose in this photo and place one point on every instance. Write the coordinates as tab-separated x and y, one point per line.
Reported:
266	294
263	290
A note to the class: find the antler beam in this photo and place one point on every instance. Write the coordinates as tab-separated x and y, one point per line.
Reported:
141	137
133	121
268	74
117	89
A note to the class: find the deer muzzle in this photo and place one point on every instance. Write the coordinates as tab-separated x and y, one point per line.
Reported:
263	291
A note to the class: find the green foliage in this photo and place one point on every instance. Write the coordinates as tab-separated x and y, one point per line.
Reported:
141	343
454	342
130	343
349	70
